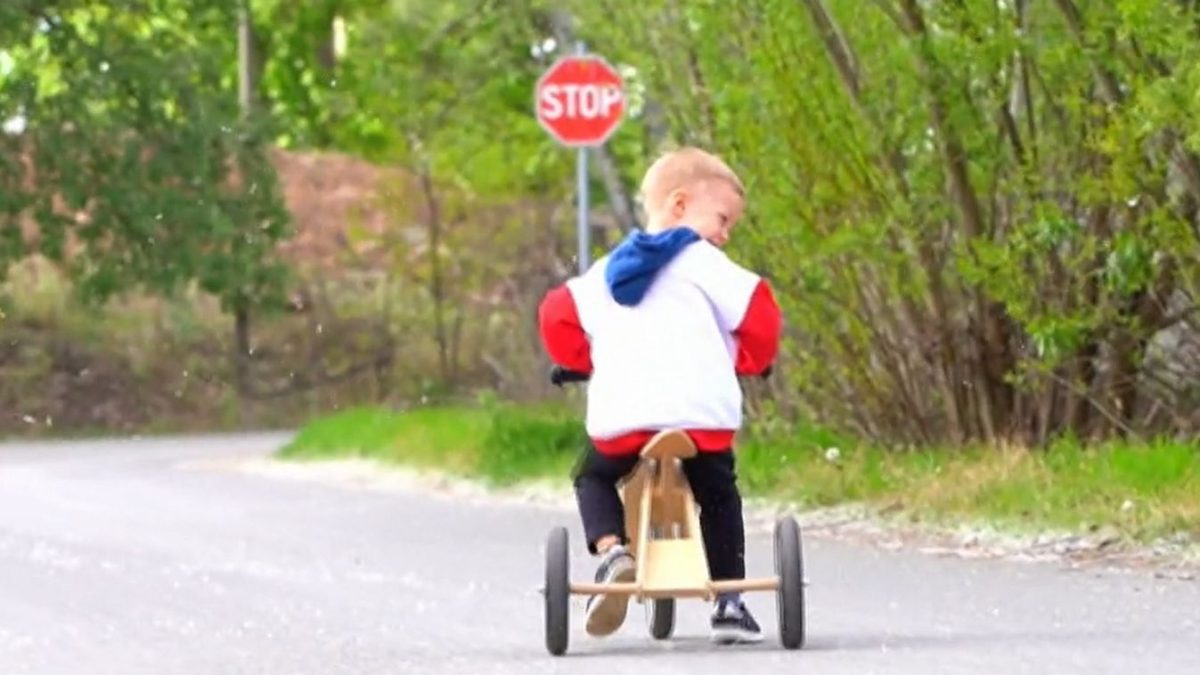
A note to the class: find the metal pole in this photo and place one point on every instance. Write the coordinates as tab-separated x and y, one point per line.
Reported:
581	173
584	244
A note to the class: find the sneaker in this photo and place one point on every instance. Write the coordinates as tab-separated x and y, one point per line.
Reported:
605	612
732	623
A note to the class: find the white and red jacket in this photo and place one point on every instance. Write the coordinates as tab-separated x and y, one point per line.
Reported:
664	324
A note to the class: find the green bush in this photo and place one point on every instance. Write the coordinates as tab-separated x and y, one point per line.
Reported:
524	442
359	432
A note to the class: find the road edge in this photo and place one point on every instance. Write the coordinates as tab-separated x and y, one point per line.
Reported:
857	523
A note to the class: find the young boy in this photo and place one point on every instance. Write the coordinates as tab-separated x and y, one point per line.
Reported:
665	323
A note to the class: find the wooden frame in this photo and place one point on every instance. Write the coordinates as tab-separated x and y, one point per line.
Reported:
663	525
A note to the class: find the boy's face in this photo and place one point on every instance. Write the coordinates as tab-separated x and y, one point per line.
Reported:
711	208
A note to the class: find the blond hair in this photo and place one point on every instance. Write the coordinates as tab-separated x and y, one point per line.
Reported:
680	168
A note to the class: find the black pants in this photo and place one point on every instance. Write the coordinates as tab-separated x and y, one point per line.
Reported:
713	481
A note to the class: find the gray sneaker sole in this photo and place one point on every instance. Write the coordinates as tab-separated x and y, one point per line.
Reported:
731	636
607	612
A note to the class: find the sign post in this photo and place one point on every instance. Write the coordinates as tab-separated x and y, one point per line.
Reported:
580	101
581	191
581	219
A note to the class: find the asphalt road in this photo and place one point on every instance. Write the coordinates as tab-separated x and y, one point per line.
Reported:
131	557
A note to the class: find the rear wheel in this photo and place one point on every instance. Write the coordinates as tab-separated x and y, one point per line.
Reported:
660	615
789	599
557	591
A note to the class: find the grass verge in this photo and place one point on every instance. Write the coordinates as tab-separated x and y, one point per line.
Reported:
1143	492
499	443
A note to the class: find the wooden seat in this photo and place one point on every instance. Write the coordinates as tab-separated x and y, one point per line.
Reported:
669	444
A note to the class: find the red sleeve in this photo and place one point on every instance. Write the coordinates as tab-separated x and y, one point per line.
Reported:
561	332
758	334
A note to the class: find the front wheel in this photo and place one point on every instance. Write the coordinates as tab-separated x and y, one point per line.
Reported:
789	566
557	591
660	615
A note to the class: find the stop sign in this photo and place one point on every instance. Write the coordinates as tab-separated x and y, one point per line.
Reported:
580	100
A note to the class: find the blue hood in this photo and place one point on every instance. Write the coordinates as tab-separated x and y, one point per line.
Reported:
633	265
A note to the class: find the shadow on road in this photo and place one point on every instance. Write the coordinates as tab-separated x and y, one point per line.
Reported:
834	643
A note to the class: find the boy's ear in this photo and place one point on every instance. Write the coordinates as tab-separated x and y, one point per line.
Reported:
677	202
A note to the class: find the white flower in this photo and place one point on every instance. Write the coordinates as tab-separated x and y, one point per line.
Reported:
832	455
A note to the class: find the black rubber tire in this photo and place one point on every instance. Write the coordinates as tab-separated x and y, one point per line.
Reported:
660	616
557	591
789	598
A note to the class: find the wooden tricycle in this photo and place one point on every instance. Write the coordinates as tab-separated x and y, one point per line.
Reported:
663	526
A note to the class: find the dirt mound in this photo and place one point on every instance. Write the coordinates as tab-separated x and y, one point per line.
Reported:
332	197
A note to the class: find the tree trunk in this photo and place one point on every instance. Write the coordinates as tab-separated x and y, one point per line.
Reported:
241	348
248	71
437	290
836	47
326	47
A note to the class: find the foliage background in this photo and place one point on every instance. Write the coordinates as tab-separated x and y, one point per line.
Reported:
980	215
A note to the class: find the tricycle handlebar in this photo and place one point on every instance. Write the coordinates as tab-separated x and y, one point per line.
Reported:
560	376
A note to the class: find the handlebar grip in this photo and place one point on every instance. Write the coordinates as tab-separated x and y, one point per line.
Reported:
560	376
